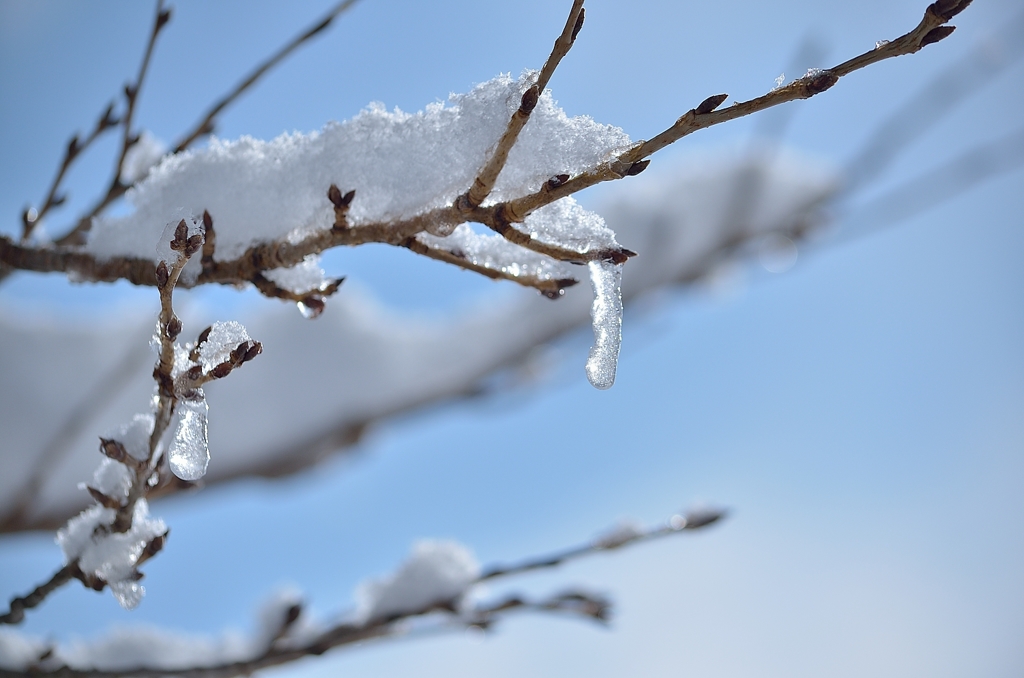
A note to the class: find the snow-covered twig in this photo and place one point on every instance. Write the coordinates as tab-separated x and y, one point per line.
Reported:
428	594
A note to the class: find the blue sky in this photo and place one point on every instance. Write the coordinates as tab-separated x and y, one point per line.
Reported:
862	414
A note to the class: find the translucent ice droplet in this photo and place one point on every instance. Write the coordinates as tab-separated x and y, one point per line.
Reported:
606	313
128	593
190	453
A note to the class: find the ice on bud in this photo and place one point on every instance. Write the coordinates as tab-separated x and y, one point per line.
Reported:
189	454
223	338
111	556
606	314
128	593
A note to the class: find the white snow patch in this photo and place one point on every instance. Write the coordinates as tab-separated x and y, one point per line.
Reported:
436	573
224	337
399	164
301	278
141	157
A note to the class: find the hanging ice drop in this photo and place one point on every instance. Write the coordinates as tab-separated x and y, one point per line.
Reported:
606	313
190	453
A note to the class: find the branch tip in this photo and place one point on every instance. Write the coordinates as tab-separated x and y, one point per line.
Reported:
937	34
578	25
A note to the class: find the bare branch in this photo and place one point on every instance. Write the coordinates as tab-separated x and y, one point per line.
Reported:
208	123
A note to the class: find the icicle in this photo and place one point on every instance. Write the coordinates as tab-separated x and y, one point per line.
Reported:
190	453
606	279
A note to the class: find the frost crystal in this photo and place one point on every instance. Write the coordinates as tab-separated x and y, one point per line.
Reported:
606	313
111	556
436	573
189	454
224	337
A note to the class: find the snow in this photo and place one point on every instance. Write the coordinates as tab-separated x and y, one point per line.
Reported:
399	164
304	277
360	361
619	535
497	253
111	556
18	651
134	435
606	312
436	573
112	478
141	157
224	337
567	224
189	453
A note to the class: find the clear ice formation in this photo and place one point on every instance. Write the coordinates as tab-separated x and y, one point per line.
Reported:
606	314
190	451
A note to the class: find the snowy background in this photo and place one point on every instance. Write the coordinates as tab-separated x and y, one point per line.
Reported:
862	413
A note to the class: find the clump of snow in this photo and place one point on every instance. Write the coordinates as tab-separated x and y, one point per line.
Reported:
134	436
436	573
306	276
189	453
621	534
399	164
224	337
143	155
497	253
124	649
111	556
565	223
18	651
606	314
112	478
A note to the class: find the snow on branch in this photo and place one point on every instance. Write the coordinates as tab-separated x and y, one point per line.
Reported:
431	591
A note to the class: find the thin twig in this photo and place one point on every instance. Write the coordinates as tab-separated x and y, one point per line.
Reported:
117	187
282	649
485	180
208	122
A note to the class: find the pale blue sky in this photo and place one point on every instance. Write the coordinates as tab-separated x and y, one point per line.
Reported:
863	414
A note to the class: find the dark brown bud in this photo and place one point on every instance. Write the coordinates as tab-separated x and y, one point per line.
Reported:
529	101
113	449
58	199
108	119
710	104
579	24
73	147
291	615
821	81
180	236
334	195
129	91
222	370
936	34
253	351
193	245
315	306
154	546
102	499
557	180
203	336
637	167
162	274
207	221
194	372
163	18
173	328
947	9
